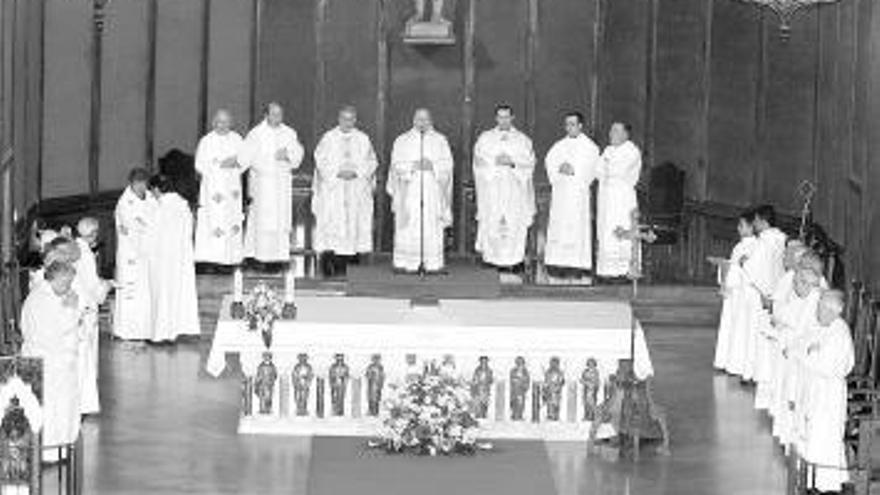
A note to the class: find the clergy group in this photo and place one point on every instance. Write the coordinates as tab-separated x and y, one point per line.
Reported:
419	185
782	330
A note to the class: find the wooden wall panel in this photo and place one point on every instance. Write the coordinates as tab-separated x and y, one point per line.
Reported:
564	70
681	87
178	59
229	84
790	119
287	65
872	179
66	100
624	66
124	88
349	34
732	133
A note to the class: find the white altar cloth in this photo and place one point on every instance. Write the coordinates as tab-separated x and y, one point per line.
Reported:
466	329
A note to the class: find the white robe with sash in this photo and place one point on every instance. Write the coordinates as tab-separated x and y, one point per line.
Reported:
505	195
569	233
175	306
619	172
220	215
131	315
405	181
344	208
269	219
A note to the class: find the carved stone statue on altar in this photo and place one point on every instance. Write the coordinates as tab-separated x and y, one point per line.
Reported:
264	383
375	381
434	30
520	381
17	439
302	382
413	371
447	369
481	387
338	382
591	381
554	385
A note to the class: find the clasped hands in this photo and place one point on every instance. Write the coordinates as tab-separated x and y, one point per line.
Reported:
347	172
566	169
504	160
425	165
229	162
281	155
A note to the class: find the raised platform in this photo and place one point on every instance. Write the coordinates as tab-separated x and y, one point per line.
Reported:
460	280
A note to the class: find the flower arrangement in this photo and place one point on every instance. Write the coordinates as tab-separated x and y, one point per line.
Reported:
261	308
429	415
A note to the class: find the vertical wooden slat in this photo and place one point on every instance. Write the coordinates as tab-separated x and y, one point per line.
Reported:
383	74
817	100
38	100
706	105
320	67
760	110
598	36
256	21
463	178
530	65
150	111
204	65
98	14
650	80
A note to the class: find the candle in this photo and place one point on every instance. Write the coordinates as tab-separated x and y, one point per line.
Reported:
289	285
237	285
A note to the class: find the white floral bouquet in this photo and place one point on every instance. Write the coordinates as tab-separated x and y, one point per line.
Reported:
261	308
430	414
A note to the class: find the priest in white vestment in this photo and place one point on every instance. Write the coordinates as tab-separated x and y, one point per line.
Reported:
571	164
763	270
421	163
50	327
504	162
733	327
345	178
618	173
134	217
271	152
220	215
175	309
92	291
828	360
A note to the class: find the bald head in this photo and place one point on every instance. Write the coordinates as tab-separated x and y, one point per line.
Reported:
222	122
347	118
794	249
87	229
422	120
831	305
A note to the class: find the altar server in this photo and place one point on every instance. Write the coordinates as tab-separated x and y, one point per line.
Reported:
504	162
220	216
92	291
50	324
763	270
134	216
271	151
571	166
828	360
421	163
619	172
345	177
175	309
733	327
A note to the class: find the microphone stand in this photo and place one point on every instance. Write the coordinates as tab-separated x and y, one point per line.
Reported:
422	270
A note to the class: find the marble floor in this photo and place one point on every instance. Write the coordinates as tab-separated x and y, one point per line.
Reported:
168	428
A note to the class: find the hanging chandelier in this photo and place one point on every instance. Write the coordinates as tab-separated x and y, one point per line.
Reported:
786	9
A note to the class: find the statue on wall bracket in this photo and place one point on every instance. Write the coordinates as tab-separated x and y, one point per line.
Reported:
435	30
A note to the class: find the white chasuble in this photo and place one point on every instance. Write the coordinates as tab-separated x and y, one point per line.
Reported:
569	234
619	172
220	216
51	330
343	208
269	219
131	315
172	271
405	183
505	195
828	361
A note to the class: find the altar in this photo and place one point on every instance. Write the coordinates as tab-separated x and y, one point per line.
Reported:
403	339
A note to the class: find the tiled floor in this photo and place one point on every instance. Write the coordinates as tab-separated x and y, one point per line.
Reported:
168	428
